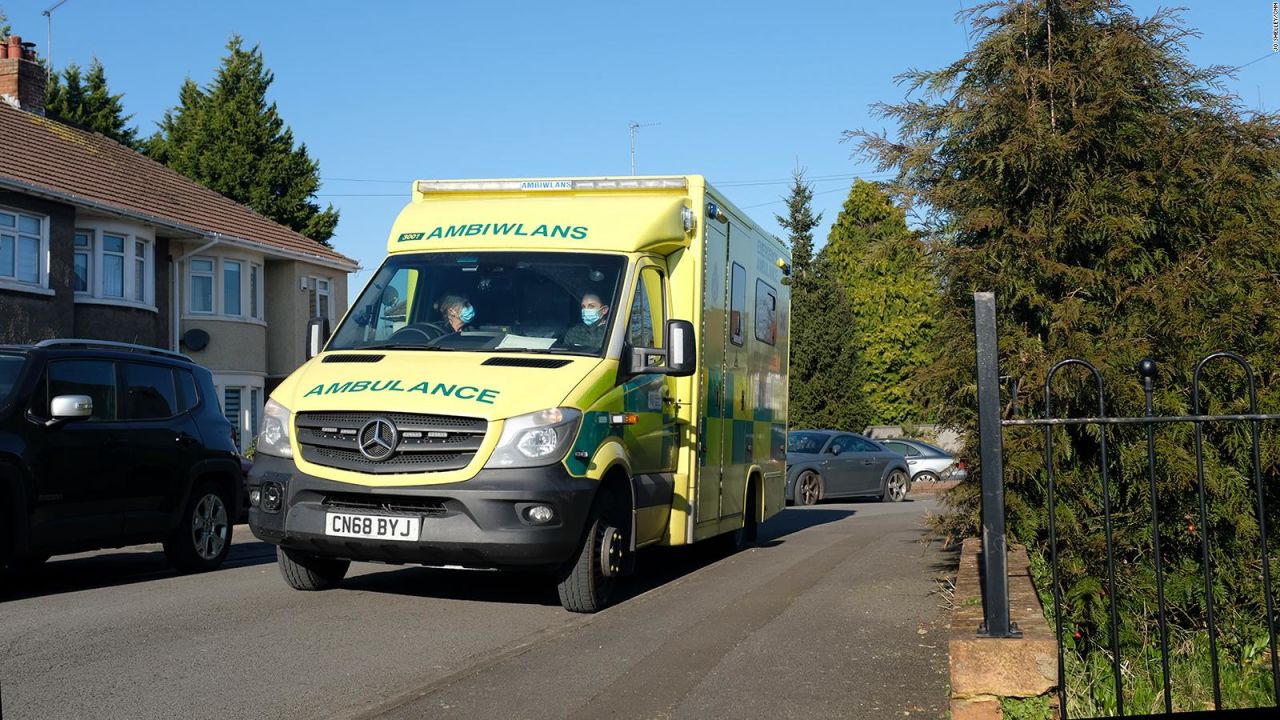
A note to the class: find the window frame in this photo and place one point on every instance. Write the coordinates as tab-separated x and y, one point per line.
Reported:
224	268
313	291
212	274
90	253
42	253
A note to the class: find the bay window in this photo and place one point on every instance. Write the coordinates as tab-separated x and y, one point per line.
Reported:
111	265
225	287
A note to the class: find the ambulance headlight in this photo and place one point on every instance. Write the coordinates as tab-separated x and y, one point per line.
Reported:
274	438
539	438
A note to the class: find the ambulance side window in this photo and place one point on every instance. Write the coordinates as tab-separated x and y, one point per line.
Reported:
737	302
648	310
766	313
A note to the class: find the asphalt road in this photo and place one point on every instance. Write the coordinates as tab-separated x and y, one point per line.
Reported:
832	615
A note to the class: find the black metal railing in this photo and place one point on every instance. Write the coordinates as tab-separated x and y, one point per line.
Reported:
995	590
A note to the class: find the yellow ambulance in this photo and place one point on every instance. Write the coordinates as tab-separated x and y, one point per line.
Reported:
543	374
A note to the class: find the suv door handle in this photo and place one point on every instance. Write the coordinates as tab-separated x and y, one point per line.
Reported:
185	440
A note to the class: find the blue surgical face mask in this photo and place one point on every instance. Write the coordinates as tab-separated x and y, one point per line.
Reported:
590	316
468	314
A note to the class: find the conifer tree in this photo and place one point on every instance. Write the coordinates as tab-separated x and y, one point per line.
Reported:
87	102
881	267
1121	204
230	139
824	368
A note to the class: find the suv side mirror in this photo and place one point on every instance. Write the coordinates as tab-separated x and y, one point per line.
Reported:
317	335
834	450
64	408
678	358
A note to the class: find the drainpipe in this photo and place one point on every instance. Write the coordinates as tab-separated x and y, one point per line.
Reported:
175	301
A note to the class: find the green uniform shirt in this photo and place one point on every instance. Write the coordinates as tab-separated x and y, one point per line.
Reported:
590	337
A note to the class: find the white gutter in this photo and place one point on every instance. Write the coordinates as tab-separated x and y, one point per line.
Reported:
175	300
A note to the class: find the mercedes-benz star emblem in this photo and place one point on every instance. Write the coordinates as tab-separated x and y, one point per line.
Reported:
378	439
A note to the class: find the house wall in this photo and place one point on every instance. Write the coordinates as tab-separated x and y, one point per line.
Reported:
131	324
27	317
234	347
288	312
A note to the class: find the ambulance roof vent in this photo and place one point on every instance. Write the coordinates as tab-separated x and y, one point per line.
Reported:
548	363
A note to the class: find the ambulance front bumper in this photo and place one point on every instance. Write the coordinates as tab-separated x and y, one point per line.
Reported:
481	523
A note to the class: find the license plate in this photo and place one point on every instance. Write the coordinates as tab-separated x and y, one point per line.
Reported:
377	527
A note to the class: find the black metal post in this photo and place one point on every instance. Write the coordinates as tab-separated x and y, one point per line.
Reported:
995	564
1147	371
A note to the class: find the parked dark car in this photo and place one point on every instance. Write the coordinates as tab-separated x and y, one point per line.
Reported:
107	444
830	464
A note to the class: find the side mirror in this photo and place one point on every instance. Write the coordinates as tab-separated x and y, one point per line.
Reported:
678	358
317	335
64	408
834	450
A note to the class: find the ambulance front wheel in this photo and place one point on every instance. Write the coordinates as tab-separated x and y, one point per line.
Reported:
310	572
587	581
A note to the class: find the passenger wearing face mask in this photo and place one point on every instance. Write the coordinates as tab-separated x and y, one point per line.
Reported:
456	311
595	324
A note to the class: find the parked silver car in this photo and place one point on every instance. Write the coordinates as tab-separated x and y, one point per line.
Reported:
928	463
829	463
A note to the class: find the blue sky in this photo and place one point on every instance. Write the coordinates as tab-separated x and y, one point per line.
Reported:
393	91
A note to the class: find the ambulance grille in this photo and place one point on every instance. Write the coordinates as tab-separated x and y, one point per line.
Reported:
385	504
423	444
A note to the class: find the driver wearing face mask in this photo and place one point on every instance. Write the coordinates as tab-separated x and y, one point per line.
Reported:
595	324
457	312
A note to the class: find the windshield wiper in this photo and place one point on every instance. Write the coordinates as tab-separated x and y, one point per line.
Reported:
538	351
405	346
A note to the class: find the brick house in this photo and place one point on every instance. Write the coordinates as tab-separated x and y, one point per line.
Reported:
98	241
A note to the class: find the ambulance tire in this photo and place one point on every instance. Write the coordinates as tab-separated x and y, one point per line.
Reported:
310	572
582	585
745	536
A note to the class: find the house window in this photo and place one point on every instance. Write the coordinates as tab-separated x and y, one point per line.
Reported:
255	290
231	287
23	246
320	298
201	285
112	265
139	270
83	260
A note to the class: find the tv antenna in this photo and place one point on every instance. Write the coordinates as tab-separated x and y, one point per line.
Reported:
633	128
48	48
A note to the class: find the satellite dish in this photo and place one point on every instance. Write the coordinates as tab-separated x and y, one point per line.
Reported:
195	339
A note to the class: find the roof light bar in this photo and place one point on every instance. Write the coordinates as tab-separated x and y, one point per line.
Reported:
654	183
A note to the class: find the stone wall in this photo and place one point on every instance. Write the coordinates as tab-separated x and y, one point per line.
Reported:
986	671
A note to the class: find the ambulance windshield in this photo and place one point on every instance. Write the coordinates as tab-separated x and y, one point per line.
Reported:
548	302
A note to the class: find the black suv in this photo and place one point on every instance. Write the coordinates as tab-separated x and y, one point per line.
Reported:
108	444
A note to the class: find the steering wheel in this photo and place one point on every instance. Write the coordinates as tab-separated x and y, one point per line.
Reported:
428	330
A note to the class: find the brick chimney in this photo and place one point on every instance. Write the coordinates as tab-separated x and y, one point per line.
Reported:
22	79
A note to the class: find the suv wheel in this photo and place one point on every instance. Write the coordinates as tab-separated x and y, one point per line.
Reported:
203	537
